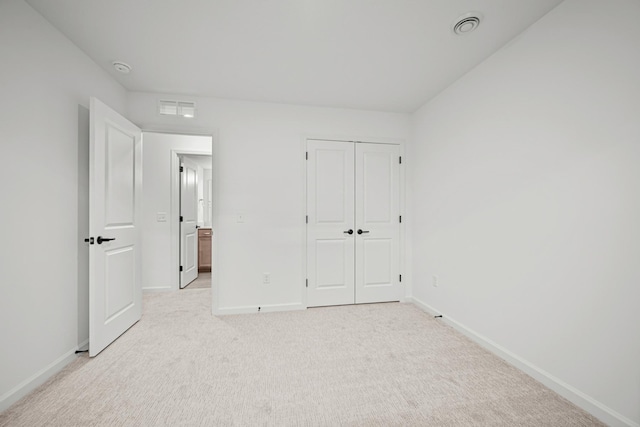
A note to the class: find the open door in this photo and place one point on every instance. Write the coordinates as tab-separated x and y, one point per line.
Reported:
115	288
188	221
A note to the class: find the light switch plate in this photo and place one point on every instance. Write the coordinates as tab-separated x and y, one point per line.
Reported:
161	217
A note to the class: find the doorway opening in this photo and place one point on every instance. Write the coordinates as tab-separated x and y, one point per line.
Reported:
195	221
162	204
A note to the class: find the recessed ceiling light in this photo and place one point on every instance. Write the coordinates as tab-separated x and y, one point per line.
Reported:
122	67
467	23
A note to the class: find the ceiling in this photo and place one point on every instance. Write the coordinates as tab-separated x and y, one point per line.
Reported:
386	55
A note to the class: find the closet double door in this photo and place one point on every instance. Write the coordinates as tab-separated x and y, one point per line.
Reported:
353	223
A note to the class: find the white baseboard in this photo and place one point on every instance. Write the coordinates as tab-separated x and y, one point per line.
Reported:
221	311
580	399
36	380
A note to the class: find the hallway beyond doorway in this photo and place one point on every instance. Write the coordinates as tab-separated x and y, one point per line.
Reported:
203	281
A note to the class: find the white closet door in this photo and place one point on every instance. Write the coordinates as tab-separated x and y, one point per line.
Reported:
188	222
377	223
330	208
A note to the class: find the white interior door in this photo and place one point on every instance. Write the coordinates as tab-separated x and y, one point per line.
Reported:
353	223
377	223
330	208
188	222
115	288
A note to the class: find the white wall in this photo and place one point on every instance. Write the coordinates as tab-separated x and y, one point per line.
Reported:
526	185
158	266
45	85
258	172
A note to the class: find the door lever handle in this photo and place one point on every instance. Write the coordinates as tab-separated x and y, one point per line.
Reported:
101	239
348	231
362	231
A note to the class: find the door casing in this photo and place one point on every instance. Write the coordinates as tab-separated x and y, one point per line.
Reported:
405	282
175	210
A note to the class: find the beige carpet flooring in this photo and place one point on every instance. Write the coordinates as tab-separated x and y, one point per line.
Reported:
366	365
203	281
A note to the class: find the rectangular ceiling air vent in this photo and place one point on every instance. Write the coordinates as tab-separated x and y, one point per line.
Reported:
177	108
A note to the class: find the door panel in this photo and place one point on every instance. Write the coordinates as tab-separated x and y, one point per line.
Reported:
119	177
330	260
377	257
191	260
115	289
332	167
330	208
376	187
377	214
119	268
188	225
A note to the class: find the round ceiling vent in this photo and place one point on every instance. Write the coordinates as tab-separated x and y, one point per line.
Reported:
466	23
122	67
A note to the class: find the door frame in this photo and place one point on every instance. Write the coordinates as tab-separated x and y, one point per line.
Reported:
214	134
175	209
404	270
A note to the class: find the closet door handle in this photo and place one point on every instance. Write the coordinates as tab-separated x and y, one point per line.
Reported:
348	231
362	231
101	239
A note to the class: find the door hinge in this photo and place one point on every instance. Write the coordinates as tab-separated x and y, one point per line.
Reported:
181	218
307	219
306	155
400	218
400	158
401	277
180	268
181	169
307	283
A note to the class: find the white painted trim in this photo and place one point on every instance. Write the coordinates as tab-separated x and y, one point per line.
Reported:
263	309
83	343
216	183
181	129
580	399
405	285
37	379
352	138
175	209
303	215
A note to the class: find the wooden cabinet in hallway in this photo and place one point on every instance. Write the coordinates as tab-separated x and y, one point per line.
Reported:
204	249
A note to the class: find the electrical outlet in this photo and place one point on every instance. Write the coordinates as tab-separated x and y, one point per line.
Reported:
266	278
161	217
434	281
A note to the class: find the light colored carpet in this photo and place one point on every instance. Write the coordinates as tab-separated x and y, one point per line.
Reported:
203	281
366	365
